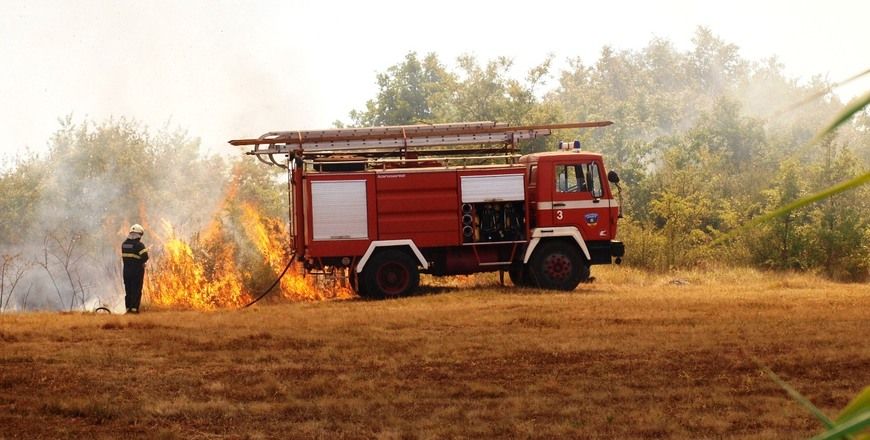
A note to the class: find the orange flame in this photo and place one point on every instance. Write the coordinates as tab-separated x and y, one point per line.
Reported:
204	274
214	268
269	236
203	280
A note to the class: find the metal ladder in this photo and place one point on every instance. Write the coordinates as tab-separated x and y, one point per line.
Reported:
401	141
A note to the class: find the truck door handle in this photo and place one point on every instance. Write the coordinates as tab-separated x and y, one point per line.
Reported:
558	205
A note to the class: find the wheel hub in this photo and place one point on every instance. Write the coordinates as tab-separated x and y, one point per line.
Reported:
557	266
392	278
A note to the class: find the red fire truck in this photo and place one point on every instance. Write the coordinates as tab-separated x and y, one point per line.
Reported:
384	204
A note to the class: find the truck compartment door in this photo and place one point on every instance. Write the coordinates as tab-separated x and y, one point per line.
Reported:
339	210
493	188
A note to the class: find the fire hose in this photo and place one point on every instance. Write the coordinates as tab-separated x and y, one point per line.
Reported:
292	247
277	280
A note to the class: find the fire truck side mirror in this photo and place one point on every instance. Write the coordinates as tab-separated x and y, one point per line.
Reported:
612	177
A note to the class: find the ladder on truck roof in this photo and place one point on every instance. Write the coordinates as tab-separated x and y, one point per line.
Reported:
401	141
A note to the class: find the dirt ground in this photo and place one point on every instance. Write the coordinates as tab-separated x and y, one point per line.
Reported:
630	355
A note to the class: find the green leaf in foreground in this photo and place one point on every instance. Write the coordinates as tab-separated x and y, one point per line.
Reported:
860	404
853	107
828	192
797	396
824	194
842	430
819	94
854	418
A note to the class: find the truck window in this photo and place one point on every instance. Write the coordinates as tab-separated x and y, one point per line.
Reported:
571	178
579	178
533	175
595	180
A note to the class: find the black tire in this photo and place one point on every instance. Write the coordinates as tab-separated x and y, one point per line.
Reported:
355	282
390	274
558	265
519	276
585	271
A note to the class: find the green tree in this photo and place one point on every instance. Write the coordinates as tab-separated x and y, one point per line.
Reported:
412	92
782	243
840	223
409	92
716	67
22	188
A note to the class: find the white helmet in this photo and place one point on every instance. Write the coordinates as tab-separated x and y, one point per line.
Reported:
137	229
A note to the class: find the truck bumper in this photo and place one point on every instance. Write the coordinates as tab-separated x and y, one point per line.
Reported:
604	252
617	249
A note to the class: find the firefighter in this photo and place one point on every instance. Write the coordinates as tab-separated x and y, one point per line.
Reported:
135	255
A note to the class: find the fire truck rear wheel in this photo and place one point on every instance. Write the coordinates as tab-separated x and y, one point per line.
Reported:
355	281
390	274
558	265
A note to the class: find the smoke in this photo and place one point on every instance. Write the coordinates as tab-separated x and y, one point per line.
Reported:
99	179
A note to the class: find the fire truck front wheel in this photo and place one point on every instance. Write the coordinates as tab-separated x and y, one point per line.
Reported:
390	273
558	265
519	275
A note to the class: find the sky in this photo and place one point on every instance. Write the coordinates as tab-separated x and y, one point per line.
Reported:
231	69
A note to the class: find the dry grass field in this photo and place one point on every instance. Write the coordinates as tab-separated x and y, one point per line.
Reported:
631	355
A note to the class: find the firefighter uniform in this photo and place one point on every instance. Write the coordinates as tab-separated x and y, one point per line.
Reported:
135	255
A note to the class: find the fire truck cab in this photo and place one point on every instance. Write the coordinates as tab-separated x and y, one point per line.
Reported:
384	204
567	189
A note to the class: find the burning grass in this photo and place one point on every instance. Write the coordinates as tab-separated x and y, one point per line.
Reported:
204	280
631	355
227	263
220	269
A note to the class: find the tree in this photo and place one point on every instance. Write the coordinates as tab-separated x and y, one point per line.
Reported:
840	225
414	92
782	243
715	66
409	92
12	271
22	188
